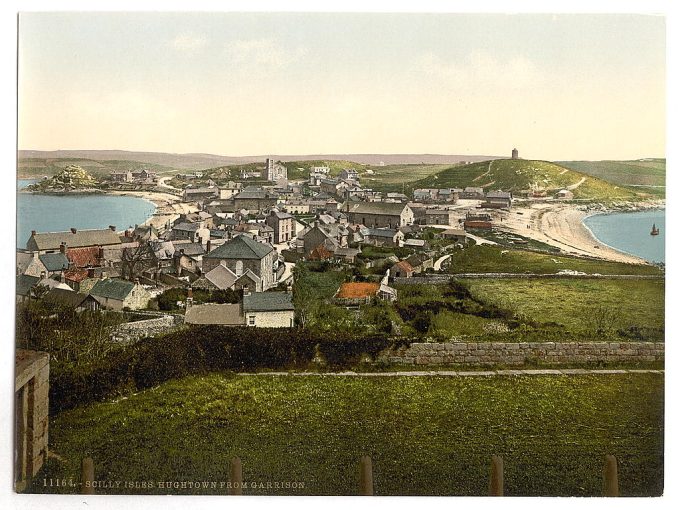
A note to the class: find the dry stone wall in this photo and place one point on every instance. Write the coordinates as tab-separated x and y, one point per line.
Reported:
133	331
506	353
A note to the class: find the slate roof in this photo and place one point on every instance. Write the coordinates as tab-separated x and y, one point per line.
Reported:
381	232
25	283
221	277
65	297
52	240
268	302
241	247
386	208
187	227
281	215
499	194
247	194
112	289
216	314
54	261
190	249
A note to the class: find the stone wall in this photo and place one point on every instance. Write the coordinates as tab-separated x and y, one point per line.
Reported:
31	399
133	331
502	353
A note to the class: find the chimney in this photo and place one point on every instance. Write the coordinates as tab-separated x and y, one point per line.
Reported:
43	275
33	232
190	299
73	230
62	248
207	246
100	253
136	281
112	228
90	272
181	251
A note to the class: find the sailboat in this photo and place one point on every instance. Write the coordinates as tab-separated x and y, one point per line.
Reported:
655	231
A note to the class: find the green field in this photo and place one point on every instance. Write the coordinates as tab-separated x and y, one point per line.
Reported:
426	435
518	175
398	178
493	259
579	305
647	175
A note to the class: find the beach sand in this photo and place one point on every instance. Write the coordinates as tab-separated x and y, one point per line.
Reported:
168	206
561	225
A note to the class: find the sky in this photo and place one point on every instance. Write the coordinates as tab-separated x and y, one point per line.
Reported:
557	87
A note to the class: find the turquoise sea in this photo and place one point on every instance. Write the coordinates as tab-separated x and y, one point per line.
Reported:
630	232
56	213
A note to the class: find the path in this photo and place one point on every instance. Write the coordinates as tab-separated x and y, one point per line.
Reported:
485	173
161	183
479	240
460	373
438	263
288	273
572	187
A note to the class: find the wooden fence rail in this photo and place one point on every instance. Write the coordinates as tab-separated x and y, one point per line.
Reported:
610	476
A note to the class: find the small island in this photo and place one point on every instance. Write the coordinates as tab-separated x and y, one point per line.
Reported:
73	178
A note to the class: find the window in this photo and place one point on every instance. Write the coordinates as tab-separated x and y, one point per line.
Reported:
251	320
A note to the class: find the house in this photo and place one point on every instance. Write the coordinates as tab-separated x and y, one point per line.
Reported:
334	233
457	235
473	193
439	217
379	214
564	194
382	237
214	314
397	197
243	253
349	174
24	286
296	207
333	186
420	262
268	309
498	200
425	194
283	225
254	199
119	294
200	194
46	242
71	299
348	255
29	264
54	263
401	269
194	232
187	256
121	176
416	244
473	220
230	190
220	277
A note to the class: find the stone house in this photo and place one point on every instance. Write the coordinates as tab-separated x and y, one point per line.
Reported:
199	194
268	309
498	200
215	314
457	235
283	225
349	174
472	193
243	253
382	237
439	217
194	232
118	294
564	194
30	264
254	199
379	214
420	262
50	242
71	299
401	269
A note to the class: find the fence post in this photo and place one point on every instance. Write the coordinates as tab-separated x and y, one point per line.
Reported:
87	475
235	477
496	480
365	476
610	477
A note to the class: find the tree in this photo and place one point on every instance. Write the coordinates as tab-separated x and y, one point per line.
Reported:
135	260
304	298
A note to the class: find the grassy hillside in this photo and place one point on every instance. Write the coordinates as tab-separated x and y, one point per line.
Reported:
398	177
426	435
519	175
38	167
647	175
300	169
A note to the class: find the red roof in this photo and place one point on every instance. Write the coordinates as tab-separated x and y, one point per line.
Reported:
320	253
355	290
404	266
83	257
75	275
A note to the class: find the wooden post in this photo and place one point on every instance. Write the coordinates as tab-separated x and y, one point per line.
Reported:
235	477
365	476
610	477
87	475
496	480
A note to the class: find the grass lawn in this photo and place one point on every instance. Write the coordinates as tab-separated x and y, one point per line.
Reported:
494	259
426	435
573	302
649	172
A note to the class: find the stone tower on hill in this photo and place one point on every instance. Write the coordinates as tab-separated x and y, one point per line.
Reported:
515	154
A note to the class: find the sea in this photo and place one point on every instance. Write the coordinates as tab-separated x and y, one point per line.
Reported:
630	232
57	213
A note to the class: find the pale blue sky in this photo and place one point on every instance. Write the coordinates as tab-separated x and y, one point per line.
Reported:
558	87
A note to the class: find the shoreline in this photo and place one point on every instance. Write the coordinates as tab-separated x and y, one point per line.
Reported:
562	226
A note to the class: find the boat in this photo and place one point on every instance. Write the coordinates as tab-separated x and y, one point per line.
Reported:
655	231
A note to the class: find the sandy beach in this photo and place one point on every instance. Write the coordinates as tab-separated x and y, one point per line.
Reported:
168	206
561	225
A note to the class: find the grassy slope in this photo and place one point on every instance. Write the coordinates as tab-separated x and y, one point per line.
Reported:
517	175
426	435
573	302
398	177
492	259
650	172
37	167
